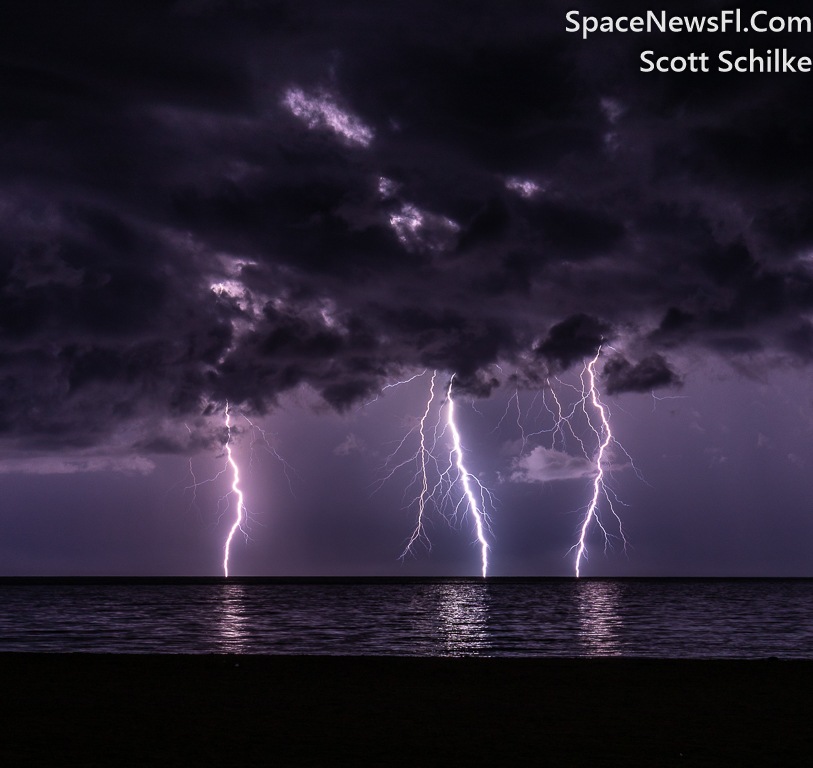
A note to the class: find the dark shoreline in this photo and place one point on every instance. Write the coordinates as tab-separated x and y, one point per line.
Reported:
122	710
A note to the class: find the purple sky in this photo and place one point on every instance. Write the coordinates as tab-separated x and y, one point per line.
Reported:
288	206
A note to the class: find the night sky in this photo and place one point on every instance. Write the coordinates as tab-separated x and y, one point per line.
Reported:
288	206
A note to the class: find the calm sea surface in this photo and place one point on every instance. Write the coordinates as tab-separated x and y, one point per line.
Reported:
667	618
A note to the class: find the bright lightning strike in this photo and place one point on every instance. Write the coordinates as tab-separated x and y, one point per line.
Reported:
445	470
605	437
467	479
259	440
235	486
558	463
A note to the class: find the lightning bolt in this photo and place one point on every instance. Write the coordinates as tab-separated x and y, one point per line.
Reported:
259	440
467	479
438	474
605	437
235	486
514	398
264	443
390	386
418	532
656	399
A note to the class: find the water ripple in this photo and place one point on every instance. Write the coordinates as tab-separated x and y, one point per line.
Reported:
665	618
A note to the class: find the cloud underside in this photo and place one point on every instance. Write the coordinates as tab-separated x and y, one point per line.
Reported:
210	203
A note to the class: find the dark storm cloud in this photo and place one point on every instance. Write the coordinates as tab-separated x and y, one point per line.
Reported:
574	339
651	373
204	202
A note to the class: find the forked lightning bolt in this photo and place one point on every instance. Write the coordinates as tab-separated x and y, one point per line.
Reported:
604	437
565	420
418	533
259	440
230	464
438	473
446	471
235	486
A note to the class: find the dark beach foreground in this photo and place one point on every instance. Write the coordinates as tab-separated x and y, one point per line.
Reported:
122	710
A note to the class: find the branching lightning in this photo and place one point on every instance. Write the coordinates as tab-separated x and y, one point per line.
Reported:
259	439
390	386
230	465
438	474
656	399
441	479
263	442
569	419
419	533
604	437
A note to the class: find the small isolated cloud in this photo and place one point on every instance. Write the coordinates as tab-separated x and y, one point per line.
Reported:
54	465
525	187
352	444
322	112
543	465
418	229
387	188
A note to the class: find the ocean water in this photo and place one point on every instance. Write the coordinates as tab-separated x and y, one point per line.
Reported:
664	618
